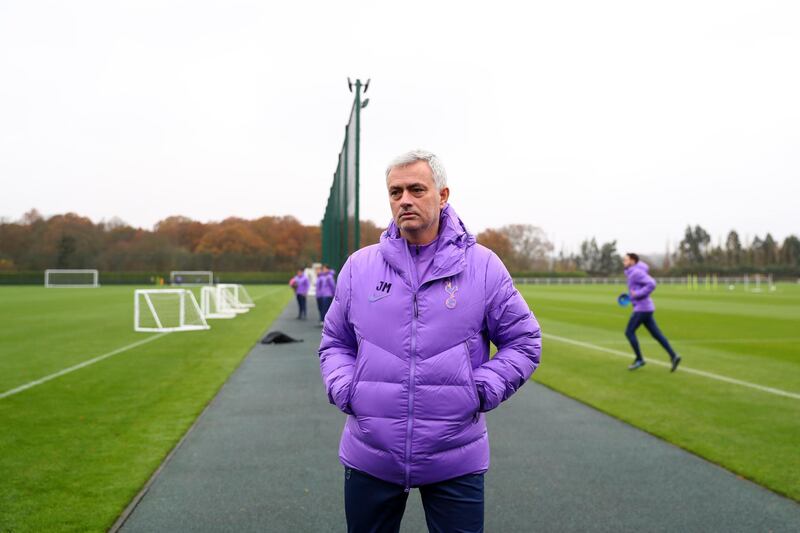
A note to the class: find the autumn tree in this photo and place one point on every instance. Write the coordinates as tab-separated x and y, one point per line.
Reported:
281	243
499	243
370	232
531	248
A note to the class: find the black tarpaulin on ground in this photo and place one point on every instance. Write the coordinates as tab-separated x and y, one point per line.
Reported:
278	337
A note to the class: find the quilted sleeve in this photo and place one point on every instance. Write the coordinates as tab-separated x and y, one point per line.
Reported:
337	351
516	333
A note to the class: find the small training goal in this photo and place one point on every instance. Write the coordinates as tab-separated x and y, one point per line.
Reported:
164	310
214	304
76	278
233	297
191	278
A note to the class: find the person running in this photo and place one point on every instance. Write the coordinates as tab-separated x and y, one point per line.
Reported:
405	354
325	289
640	285
300	284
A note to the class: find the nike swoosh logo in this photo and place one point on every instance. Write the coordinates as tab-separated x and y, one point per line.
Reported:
375	298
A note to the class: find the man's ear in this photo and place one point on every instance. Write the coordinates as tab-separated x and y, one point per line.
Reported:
444	195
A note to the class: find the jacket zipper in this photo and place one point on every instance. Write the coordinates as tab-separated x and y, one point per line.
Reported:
413	365
412	372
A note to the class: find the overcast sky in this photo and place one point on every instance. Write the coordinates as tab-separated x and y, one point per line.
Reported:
620	120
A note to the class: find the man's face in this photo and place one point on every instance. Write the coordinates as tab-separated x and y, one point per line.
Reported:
627	261
415	202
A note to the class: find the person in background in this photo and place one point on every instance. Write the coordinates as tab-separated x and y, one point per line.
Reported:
640	285
300	284
325	289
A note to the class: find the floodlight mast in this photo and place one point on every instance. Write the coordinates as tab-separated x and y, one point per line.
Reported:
356	221
339	239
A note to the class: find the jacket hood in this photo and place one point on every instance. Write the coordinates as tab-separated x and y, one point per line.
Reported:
454	239
641	266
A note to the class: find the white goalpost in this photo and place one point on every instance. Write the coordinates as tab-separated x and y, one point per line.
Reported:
232	297
191	278
757	279
74	278
214	305
162	310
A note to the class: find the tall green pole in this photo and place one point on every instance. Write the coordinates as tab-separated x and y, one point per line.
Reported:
343	213
357	162
335	235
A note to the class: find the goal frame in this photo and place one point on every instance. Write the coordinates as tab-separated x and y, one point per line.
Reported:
239	304
95	278
211	306
182	312
173	274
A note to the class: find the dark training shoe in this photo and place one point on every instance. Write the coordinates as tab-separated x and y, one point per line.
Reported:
675	363
639	363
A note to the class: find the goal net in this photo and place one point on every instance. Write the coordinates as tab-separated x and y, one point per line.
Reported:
167	310
71	278
214	305
233	297
191	278
759	283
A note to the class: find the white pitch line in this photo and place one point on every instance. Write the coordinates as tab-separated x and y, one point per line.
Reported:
92	361
710	375
751	340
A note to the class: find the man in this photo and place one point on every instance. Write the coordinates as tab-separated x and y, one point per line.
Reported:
325	288
300	284
405	353
640	286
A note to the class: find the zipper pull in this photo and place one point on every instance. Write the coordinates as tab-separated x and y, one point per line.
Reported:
416	308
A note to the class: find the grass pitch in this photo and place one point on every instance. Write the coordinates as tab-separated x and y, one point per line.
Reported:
76	449
750	337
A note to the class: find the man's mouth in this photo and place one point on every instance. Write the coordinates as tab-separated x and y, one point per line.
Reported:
407	215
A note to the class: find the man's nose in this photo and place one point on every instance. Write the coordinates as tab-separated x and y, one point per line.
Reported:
405	200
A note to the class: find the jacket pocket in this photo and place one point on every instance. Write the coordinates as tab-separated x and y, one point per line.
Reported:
356	373
473	387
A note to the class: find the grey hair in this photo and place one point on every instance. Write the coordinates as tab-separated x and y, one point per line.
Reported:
409	158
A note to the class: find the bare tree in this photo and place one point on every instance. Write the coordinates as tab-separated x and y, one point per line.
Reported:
530	245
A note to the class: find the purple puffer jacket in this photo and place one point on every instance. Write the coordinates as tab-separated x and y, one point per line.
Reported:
408	360
326	285
640	285
302	284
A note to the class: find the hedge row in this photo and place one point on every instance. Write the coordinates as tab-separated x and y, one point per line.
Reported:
778	271
149	278
546	274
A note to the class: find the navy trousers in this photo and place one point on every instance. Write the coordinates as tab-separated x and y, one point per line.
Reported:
323	304
645	318
376	506
301	306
